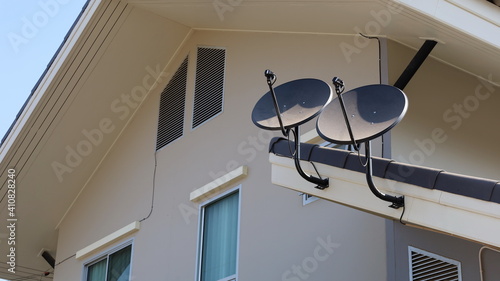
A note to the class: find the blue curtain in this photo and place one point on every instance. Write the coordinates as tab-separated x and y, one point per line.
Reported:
220	235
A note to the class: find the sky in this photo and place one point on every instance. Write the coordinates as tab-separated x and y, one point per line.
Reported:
31	32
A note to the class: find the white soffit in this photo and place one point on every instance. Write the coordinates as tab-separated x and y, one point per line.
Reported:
467	30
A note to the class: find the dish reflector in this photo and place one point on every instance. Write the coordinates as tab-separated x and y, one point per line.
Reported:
299	101
372	111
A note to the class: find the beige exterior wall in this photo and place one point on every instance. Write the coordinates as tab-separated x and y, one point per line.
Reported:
451	125
278	236
452	118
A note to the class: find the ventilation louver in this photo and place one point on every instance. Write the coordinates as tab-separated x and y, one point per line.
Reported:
209	84
172	104
425	266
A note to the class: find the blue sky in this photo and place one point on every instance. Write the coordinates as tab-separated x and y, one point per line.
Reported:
31	31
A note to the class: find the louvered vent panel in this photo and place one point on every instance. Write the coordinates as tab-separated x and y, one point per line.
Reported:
426	266
172	103
209	84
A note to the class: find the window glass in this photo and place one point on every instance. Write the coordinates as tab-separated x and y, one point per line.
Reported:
219	240
119	265
113	267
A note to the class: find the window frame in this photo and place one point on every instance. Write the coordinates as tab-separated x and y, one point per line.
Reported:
201	219
105	255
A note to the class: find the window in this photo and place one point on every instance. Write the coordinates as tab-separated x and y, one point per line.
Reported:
114	266
218	249
429	266
308	198
209	84
338	146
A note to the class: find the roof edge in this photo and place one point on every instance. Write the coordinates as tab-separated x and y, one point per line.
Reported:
42	76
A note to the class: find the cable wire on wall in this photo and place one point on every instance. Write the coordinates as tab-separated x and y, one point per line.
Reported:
153	192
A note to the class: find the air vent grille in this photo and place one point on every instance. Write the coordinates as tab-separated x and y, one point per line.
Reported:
209	84
172	104
425	266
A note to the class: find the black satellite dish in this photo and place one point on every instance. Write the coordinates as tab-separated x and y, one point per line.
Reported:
299	101
361	115
290	105
371	110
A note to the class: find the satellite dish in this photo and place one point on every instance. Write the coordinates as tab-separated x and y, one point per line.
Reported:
371	111
289	106
355	117
361	115
299	101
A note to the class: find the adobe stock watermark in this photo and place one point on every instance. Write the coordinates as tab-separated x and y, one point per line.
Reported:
380	20
454	116
248	148
12	219
323	250
31	25
121	107
223	6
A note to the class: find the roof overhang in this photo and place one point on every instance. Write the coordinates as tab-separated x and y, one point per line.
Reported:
467	30
113	59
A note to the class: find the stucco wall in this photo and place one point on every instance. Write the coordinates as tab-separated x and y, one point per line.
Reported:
451	120
449	125
465	252
278	236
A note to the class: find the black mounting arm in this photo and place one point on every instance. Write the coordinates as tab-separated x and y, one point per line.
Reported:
271	78
321	183
397	202
339	88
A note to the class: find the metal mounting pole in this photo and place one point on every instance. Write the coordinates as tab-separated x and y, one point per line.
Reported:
415	64
397	202
339	88
271	78
321	183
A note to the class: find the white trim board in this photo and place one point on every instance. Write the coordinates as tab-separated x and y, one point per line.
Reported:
108	240
218	184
